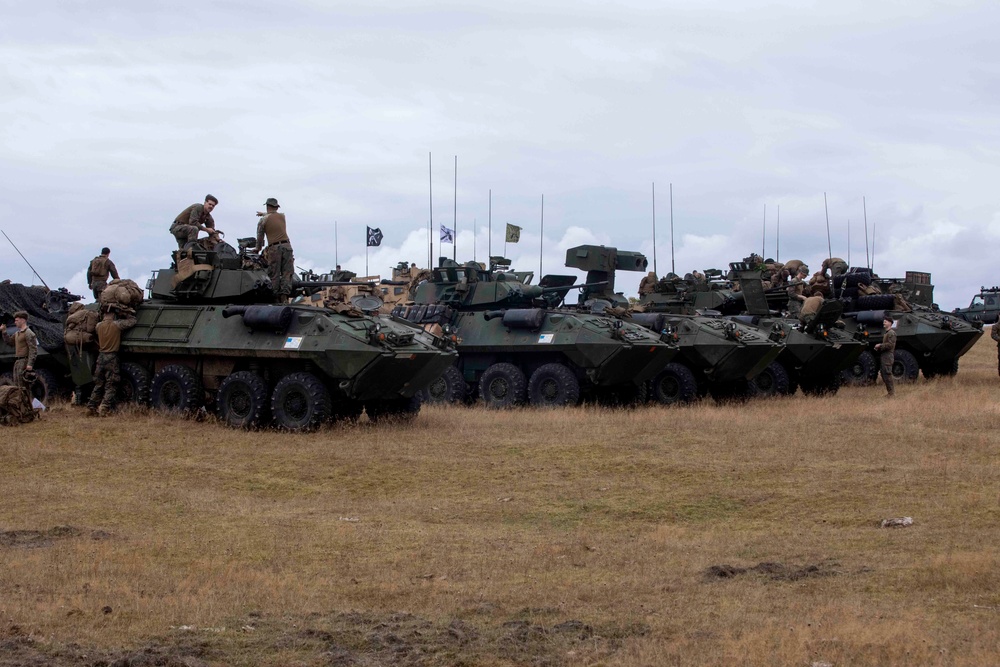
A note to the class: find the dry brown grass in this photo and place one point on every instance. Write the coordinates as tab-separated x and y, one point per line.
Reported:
583	536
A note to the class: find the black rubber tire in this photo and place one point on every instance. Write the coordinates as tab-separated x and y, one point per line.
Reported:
553	386
176	388
676	384
862	372
300	402
823	386
46	386
876	302
503	385
449	388
854	279
393	409
944	369
905	367
243	400
772	381
135	384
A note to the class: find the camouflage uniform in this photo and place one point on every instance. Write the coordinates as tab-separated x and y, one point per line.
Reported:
821	283
795	298
995	335
279	256
25	350
647	284
97	274
189	222
886	357
107	373
810	308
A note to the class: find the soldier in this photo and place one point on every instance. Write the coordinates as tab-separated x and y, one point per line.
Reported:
995	335
835	265
810	307
106	372
99	270
795	290
886	349
699	277
25	347
196	218
280	261
792	266
647	283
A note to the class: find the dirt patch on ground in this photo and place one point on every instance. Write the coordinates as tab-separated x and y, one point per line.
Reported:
35	539
774	571
348	639
20	649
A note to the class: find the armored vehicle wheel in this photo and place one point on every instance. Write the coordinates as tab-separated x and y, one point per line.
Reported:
772	381
134	387
823	386
176	388
905	367
944	369
553	385
503	386
46	385
675	384
300	402
402	409
243	400
449	388
862	372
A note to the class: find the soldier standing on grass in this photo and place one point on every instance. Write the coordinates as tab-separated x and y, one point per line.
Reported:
97	273
995	335
107	372
887	347
280	260
25	347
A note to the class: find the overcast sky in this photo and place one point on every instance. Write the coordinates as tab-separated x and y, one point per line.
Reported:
115	116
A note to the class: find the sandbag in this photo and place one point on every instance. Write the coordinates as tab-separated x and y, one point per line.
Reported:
121	293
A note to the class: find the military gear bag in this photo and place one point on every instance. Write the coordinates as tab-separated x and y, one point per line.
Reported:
121	293
15	406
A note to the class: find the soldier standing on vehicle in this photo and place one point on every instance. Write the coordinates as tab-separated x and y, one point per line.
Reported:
25	347
280	260
647	283
886	351
795	291
107	373
835	265
99	270
196	218
995	335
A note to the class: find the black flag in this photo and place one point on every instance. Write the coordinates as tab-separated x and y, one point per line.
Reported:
374	236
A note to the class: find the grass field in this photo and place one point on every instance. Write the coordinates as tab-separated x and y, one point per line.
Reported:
744	535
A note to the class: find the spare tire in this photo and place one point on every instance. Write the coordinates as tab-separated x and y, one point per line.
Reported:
876	302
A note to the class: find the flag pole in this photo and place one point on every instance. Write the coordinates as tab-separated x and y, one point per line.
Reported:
763	235
489	229
829	246
505	241
366	257
777	238
864	207
336	257
673	268
474	258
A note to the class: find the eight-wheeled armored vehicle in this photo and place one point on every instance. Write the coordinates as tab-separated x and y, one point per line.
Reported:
716	356
516	345
213	332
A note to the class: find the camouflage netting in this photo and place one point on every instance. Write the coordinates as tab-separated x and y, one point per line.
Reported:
47	326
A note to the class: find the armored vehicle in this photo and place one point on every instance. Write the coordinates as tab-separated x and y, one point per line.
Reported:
715	355
213	333
46	311
516	345
985	307
927	340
